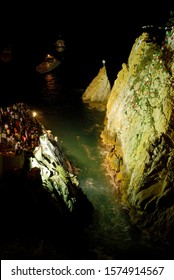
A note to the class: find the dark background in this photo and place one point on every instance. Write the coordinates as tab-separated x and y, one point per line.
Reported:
92	31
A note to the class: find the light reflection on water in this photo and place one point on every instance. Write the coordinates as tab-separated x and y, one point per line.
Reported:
51	87
111	235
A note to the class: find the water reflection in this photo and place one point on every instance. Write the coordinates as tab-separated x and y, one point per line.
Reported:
51	88
111	234
51	83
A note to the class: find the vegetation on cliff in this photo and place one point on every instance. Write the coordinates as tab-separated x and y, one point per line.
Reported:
139	132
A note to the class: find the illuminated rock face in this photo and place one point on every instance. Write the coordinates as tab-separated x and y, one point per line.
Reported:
57	176
98	91
139	134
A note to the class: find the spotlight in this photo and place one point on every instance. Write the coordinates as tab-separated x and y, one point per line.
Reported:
103	61
34	114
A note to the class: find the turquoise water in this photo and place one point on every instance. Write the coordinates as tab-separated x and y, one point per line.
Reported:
110	235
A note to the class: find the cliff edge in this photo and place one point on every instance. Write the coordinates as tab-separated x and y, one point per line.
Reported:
97	93
139	134
37	179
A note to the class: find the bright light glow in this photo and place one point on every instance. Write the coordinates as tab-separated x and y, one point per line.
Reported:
103	61
34	114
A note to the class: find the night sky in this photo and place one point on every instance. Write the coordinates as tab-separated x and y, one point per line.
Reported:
92	32
78	21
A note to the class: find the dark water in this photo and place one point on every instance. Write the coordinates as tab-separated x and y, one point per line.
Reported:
60	109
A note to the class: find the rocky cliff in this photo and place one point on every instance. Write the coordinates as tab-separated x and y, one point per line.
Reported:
35	171
139	134
58	177
98	91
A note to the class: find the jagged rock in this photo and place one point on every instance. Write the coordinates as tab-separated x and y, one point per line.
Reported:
139	134
40	184
138	131
98	91
57	177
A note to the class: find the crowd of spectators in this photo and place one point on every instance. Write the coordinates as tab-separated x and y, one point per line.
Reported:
19	129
